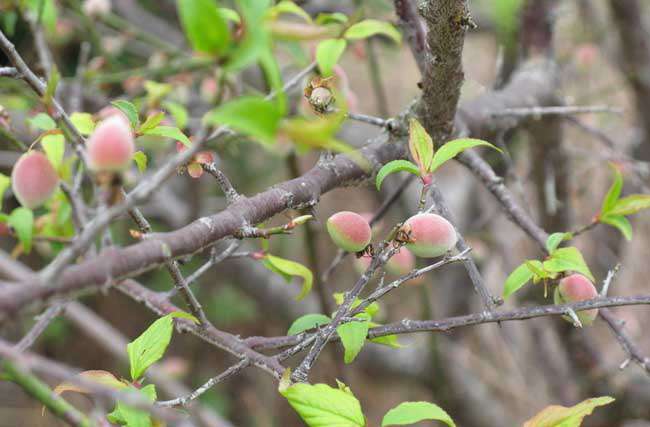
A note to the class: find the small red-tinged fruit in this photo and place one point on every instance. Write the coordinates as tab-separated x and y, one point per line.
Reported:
33	179
401	263
349	231
430	235
111	147
576	288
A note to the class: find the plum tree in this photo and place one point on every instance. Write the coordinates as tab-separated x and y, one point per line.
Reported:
111	147
576	288
349	231
430	235
34	180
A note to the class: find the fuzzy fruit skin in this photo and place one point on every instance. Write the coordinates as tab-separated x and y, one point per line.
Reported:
33	179
349	231
111	147
401	263
576	288
432	235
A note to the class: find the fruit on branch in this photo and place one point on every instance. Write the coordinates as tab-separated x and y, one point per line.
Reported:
576	288
429	235
33	179
349	231
111	147
401	263
321	98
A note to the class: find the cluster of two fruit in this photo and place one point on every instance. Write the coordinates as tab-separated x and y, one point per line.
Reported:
110	150
427	236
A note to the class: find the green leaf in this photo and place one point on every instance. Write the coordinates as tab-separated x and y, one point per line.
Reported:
256	36
178	112
537	268
204	26
630	205
320	405
518	278
560	416
170	132
288	7
555	239
151	122
613	193
45	12
372	309
452	148
306	322
249	115
140	160
273	75
150	346
42	121
229	15
328	53
332	18
50	88
505	15
620	222
387	340
129	111
5	182
371	27
292	268
414	412
568	259
132	417
83	122
54	147
22	221
420	146
314	133
353	336
8	23
395	166
104	378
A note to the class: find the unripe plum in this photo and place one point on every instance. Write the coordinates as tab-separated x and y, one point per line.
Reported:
33	179
111	147
349	231
576	288
431	235
401	263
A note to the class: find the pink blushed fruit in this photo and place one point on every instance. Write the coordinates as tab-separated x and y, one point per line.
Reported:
431	235
34	180
576	288
111	147
349	231
401	263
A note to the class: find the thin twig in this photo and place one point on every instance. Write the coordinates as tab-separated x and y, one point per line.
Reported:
558	110
186	400
228	190
42	322
302	371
